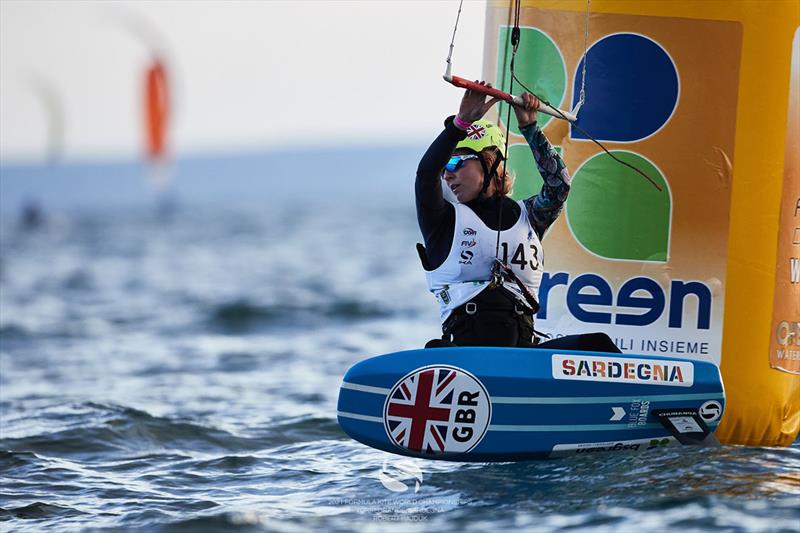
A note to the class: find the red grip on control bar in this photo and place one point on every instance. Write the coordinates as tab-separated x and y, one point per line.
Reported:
489	91
516	100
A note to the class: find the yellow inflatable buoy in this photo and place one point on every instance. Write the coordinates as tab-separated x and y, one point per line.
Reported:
704	99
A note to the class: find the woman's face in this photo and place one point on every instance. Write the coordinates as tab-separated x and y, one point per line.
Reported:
466	181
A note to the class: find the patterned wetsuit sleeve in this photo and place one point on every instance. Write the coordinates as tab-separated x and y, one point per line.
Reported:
544	208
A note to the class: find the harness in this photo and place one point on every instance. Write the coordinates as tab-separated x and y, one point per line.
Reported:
501	273
498	301
485	302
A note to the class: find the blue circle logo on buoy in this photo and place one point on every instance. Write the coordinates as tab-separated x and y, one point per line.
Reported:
635	89
437	409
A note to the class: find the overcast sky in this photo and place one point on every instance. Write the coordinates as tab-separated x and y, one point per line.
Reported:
245	75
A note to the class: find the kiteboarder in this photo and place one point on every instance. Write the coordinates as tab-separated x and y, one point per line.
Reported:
483	255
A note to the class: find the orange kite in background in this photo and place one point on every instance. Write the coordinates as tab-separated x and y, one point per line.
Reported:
156	110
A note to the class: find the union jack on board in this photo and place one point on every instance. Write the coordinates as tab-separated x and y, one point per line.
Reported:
418	411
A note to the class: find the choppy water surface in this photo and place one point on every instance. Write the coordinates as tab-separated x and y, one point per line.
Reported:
182	375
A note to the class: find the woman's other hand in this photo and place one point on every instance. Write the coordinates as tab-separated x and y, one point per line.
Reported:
474	104
526	113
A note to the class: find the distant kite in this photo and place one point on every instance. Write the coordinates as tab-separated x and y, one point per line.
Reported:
157	103
47	93
156	110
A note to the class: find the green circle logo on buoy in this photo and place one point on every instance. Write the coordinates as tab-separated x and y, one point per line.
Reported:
614	213
539	65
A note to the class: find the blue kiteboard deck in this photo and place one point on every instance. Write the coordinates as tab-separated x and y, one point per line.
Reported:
508	404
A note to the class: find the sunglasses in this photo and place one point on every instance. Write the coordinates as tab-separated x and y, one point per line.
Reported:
457	161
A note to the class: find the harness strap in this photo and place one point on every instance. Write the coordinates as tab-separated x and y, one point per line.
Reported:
494	300
502	272
472	309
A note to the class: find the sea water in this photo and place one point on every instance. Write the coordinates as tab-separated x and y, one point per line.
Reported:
178	370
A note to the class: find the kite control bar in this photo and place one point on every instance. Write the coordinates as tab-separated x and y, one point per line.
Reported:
510	98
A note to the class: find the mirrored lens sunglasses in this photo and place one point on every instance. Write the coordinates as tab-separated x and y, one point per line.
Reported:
457	161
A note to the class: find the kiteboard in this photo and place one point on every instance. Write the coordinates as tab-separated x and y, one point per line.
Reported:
509	404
